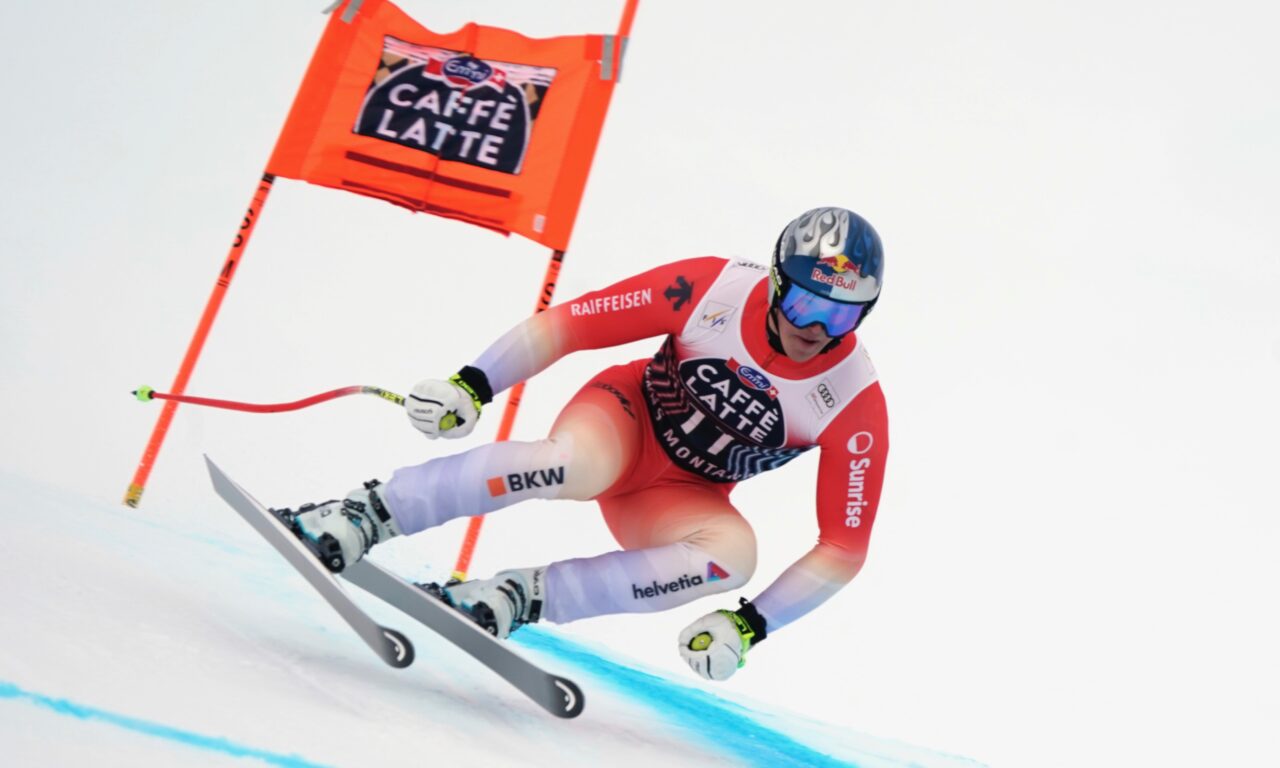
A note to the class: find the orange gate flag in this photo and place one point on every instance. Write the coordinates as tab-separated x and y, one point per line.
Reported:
482	124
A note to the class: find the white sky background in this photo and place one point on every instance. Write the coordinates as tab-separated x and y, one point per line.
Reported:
1075	558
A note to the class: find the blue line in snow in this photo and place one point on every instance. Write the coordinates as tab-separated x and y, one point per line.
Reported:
721	723
199	741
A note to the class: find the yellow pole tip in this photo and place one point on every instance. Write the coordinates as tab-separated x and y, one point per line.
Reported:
133	497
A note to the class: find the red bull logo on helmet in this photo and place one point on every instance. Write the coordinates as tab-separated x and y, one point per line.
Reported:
838	281
838	263
840	272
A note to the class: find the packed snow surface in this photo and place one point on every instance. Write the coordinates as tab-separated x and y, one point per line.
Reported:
175	637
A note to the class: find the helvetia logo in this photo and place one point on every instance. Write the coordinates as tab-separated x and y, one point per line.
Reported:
523	481
714	573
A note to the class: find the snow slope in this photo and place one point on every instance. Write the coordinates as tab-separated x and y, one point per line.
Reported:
174	637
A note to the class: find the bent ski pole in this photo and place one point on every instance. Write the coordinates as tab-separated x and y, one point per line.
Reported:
146	394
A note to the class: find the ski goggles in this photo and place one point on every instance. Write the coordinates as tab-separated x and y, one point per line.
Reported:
803	308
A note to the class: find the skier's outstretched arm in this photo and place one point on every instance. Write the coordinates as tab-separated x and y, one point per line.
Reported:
850	475
652	303
649	304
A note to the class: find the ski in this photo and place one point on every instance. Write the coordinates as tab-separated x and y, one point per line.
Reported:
391	646
557	695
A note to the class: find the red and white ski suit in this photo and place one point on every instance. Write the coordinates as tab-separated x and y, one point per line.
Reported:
661	443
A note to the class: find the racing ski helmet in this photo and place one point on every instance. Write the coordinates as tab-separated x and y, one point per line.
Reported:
827	268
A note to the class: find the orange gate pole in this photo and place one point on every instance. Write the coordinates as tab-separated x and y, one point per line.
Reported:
133	496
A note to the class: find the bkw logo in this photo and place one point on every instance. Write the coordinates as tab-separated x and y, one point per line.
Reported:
523	481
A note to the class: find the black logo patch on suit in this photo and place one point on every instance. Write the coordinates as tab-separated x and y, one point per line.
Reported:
716	418
679	293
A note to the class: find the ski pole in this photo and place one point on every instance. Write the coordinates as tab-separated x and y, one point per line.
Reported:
146	394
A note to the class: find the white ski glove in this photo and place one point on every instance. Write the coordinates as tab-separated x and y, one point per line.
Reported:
716	645
444	408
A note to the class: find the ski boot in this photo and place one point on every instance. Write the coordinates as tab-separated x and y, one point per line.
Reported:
500	605
339	533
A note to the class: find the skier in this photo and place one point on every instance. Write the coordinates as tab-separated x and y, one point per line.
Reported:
759	365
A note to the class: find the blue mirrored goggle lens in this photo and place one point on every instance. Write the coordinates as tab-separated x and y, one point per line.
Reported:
803	308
